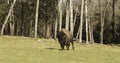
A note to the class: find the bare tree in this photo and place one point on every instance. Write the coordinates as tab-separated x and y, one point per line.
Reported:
103	13
36	18
12	23
67	15
86	14
60	13
76	12
91	19
102	22
11	20
81	21
71	16
6	19
113	23
56	23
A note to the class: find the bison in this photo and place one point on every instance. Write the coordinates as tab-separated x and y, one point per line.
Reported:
65	38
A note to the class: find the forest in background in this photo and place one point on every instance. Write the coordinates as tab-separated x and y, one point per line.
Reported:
100	19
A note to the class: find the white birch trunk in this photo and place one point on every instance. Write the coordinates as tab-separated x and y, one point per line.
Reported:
75	16
36	18
86	14
71	16
76	11
103	12
90	31
6	19
81	22
67	16
101	21
60	13
55	28
12	23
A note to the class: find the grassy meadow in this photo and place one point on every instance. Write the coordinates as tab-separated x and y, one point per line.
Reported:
14	49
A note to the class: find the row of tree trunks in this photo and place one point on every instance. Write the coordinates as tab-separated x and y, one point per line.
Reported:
89	27
69	25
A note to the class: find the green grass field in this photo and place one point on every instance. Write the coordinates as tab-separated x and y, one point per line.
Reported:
29	50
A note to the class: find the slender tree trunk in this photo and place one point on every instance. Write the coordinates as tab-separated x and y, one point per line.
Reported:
55	28
21	32
75	19
102	30
67	16
75	16
102	23
12	23
31	29
60	13
60	25
81	21
11	20
6	19
91	28
103	12
86	14
91	33
48	28
36	18
12	28
78	33
76	11
113	23
71	16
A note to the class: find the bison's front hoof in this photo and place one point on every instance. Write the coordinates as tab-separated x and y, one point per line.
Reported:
61	49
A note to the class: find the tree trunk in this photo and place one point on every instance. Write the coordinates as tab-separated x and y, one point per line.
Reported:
76	12
12	24
102	22
31	29
67	16
75	16
6	19
55	28
12	28
86	14
60	13
71	16
48	28
103	12
81	21
113	23
36	18
91	32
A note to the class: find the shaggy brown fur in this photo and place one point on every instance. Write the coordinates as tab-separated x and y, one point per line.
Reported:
65	38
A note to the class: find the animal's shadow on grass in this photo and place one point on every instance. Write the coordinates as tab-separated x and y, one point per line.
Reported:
55	49
51	48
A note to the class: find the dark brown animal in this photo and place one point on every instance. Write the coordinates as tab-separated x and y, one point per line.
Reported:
65	38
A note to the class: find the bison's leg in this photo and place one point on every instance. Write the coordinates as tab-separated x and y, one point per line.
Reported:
72	45
62	46
67	45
